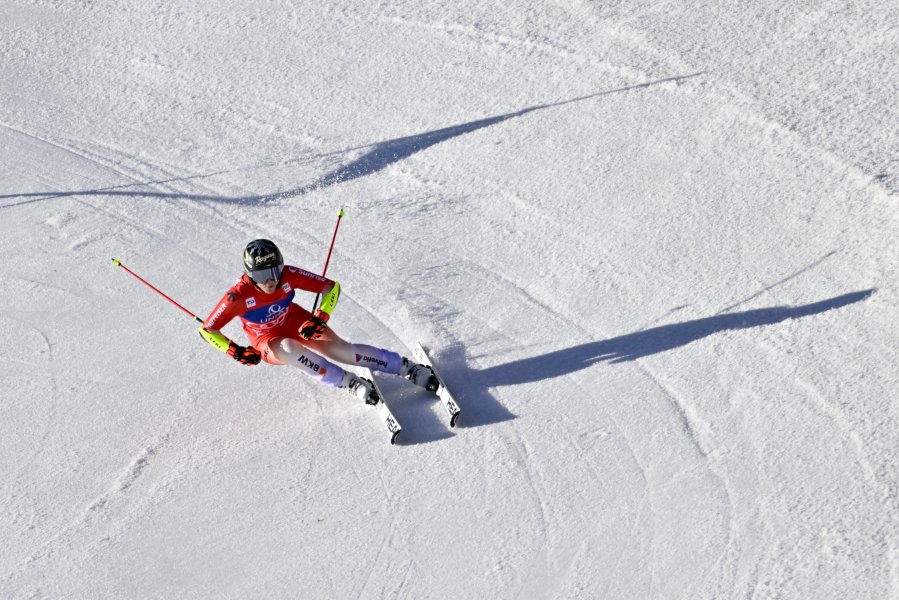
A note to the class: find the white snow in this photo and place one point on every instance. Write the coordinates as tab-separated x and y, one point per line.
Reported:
652	247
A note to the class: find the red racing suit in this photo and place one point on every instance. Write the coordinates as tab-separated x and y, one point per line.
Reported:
267	316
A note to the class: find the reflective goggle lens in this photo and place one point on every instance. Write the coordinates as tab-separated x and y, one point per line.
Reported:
263	275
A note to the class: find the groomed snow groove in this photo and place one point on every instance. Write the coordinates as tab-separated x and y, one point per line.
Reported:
651	246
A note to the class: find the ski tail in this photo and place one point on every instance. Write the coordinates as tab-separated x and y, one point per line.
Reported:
446	398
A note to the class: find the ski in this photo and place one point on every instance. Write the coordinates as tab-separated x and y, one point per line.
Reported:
449	403
384	414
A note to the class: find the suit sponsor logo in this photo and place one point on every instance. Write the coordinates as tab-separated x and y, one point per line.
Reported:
270	316
307	362
264	316
251	302
218	313
370	359
308	274
286	287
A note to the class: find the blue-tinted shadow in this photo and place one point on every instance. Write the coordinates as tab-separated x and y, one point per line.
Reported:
647	342
375	158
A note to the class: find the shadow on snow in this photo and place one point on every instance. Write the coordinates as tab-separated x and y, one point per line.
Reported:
377	157
640	344
481	408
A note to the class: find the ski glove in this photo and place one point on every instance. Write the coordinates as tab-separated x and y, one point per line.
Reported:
244	355
315	326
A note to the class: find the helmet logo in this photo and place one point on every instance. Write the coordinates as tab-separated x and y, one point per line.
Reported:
263	259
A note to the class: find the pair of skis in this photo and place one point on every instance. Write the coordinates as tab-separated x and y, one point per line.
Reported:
446	398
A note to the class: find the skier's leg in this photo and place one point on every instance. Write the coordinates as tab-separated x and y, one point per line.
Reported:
336	348
291	352
377	359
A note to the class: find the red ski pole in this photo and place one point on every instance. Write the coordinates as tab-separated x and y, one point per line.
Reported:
340	215
118	263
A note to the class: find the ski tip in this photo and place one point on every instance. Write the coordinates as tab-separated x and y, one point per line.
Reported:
393	438
454	418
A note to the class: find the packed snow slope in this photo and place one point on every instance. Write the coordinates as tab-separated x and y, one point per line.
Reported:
652	247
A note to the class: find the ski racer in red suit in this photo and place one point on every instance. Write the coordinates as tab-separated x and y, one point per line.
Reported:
284	333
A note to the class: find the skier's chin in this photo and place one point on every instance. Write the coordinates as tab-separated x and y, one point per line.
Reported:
268	288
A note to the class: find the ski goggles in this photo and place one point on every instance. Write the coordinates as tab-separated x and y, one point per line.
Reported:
262	275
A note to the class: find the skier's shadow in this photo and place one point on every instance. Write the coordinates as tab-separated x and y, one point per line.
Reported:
480	408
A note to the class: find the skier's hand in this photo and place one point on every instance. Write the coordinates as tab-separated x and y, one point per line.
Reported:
244	355
315	326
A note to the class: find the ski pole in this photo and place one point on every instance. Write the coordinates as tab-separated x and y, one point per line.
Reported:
118	263
340	215
216	339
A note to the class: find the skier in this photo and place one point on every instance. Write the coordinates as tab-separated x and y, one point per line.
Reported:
284	333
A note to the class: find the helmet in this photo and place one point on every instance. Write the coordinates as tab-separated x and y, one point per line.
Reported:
263	261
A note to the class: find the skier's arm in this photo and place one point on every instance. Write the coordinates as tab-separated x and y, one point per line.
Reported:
220	316
246	355
329	299
316	324
215	338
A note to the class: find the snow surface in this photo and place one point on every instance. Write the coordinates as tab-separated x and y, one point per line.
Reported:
651	244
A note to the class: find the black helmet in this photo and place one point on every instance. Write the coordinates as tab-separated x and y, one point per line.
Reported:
263	261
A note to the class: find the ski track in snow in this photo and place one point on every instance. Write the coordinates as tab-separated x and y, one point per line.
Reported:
52	410
97	510
522	296
619	468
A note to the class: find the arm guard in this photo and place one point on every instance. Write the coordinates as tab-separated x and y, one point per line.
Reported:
329	301
216	340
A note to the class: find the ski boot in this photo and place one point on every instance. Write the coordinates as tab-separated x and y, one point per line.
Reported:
361	388
420	375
